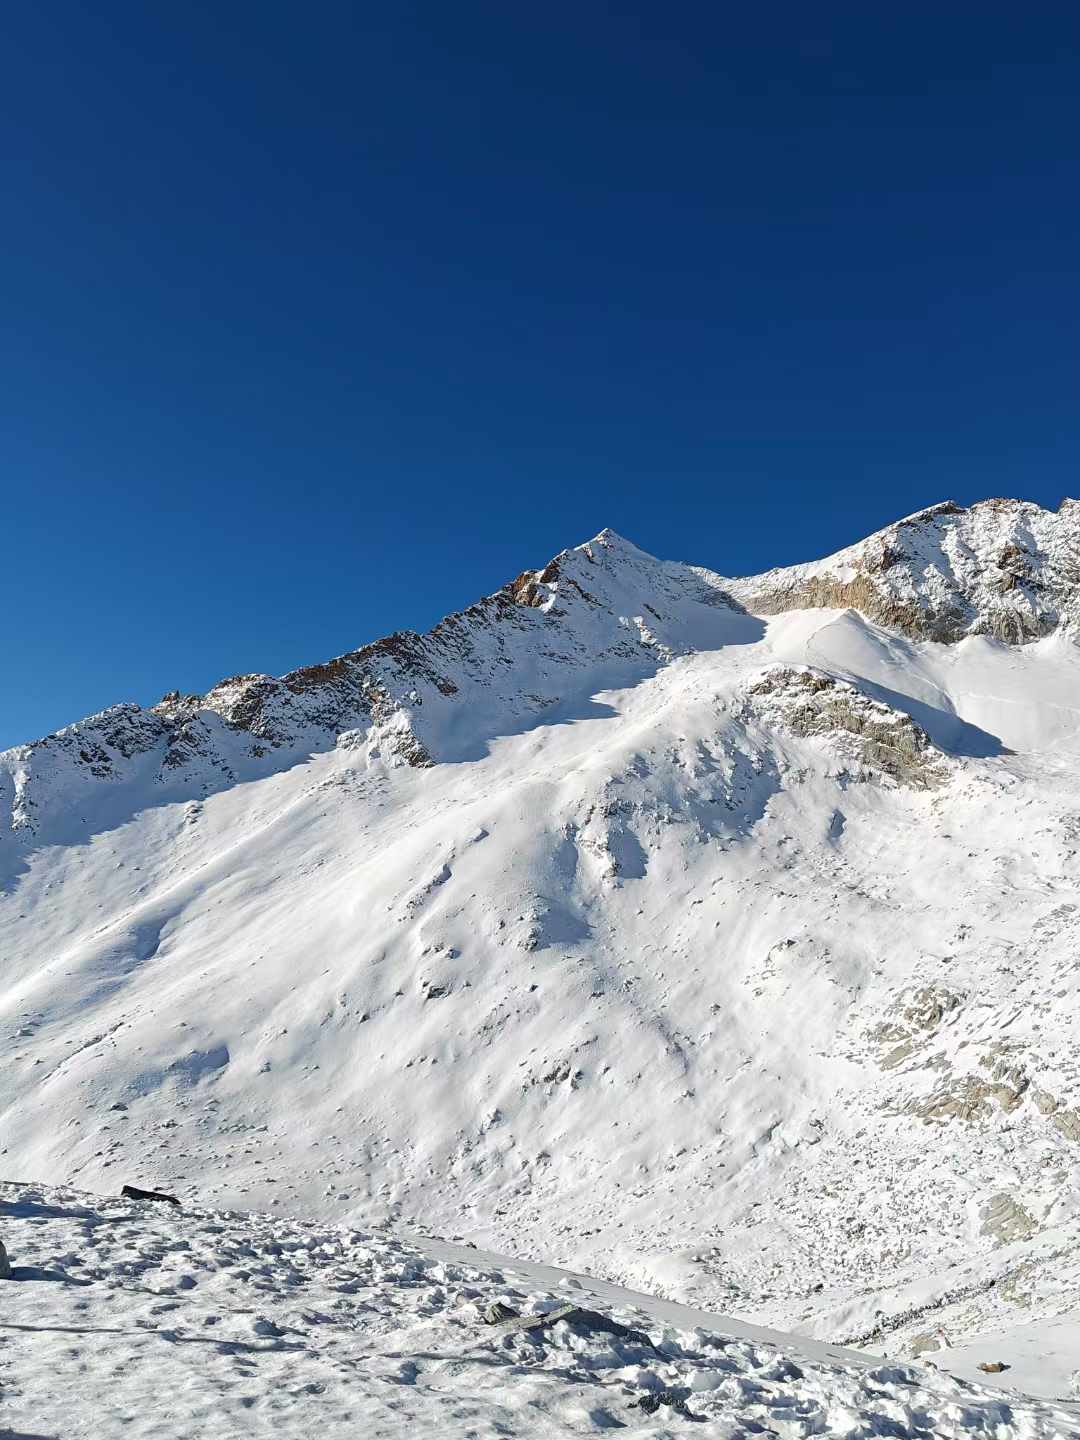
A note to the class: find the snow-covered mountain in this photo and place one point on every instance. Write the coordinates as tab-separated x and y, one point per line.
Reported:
716	936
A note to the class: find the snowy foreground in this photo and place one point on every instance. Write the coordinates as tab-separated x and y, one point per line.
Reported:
139	1319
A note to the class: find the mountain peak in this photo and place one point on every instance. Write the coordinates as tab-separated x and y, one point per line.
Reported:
929	512
604	613
609	539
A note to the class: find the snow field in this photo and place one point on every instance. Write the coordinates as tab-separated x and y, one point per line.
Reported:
135	1319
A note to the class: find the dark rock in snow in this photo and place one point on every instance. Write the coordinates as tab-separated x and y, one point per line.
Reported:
132	1192
675	1400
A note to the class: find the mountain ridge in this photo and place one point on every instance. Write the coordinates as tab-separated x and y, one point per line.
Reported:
1031	554
1005	568
538	589
377	693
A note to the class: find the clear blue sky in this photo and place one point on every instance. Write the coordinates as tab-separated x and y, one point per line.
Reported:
320	321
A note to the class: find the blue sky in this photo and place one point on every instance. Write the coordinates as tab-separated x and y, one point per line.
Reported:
320	322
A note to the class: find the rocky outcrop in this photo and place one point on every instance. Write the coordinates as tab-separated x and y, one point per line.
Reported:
1003	1218
1003	1083
912	1021
967	1097
879	741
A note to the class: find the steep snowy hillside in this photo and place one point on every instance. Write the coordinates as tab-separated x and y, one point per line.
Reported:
121	1320
684	930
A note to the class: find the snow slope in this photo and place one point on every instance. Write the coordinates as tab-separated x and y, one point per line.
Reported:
728	955
133	1319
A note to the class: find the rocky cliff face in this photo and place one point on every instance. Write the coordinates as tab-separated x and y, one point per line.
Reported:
878	740
1005	568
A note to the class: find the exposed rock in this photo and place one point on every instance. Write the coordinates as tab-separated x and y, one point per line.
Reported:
591	1321
1006	1219
132	1192
926	1007
675	1400
540	1321
5	1263
883	741
897	1055
1002	1063
1044	1102
914	1018
968	1098
1067	1123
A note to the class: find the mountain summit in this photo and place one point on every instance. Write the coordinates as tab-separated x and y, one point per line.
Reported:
716	935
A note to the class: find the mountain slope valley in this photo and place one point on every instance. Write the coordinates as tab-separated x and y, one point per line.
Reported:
714	937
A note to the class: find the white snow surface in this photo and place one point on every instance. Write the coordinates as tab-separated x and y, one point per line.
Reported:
730	957
128	1318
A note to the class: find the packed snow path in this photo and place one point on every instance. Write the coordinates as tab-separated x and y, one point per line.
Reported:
138	1319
